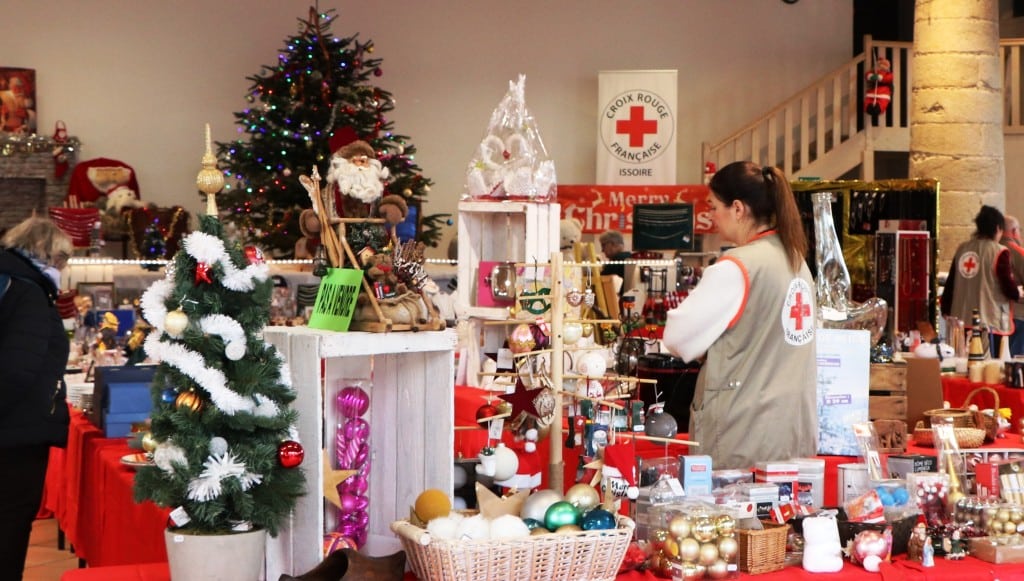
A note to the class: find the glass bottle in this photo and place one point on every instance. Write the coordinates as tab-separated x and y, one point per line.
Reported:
976	345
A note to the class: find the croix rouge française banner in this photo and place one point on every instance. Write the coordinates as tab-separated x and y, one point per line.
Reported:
636	141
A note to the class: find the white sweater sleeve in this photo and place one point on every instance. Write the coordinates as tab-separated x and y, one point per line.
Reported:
705	314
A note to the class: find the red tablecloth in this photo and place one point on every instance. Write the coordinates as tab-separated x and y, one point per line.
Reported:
956	388
90	492
968	569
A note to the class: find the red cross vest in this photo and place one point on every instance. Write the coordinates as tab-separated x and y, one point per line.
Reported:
976	285
757	390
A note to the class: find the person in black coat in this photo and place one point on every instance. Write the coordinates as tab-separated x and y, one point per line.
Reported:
33	356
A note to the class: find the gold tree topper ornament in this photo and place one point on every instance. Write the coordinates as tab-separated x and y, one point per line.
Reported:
210	180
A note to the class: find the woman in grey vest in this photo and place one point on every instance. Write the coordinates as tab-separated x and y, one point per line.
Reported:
752	318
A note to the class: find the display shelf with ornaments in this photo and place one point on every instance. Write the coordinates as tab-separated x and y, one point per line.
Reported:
409	380
491	237
538	350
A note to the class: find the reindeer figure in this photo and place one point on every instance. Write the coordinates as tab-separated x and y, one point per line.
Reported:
407	261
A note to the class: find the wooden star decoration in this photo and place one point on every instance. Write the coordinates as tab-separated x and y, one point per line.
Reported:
332	478
521	400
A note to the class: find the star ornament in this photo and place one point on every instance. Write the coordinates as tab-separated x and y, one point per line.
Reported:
332	478
521	400
203	273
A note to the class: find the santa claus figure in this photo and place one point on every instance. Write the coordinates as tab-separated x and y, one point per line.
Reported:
879	89
355	189
356	180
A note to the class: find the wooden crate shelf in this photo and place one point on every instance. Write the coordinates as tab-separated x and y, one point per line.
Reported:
411	385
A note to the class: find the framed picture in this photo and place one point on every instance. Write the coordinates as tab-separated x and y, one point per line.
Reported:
101	293
17	100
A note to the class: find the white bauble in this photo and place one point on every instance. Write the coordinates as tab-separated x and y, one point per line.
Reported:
592	364
505	463
175	323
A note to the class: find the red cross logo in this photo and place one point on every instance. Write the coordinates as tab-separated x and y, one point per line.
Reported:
799	310
636	126
970	265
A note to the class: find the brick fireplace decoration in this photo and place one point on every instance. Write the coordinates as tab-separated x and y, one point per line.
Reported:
28	182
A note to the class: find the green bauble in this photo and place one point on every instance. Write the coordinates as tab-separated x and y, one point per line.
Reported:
560	514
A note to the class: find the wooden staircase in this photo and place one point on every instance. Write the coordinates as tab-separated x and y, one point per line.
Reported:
822	131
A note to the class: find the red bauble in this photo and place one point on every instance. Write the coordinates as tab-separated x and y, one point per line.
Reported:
486	412
253	255
290	453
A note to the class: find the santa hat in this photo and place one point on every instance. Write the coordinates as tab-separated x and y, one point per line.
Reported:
620	462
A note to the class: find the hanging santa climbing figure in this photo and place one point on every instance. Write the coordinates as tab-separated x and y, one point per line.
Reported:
879	89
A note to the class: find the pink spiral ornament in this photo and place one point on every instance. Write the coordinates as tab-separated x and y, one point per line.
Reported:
353	402
352	452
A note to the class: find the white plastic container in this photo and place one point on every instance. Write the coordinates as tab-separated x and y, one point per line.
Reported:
853	481
810	481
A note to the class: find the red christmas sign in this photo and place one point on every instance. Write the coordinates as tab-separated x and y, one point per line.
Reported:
601	208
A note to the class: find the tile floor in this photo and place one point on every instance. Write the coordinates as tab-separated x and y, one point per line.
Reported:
45	561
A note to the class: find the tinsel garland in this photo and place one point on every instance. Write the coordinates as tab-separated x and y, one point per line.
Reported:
207	249
12	143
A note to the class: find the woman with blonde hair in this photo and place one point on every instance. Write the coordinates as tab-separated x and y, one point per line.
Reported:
33	356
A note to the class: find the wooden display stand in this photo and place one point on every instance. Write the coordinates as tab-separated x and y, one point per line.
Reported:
411	419
499	231
556	318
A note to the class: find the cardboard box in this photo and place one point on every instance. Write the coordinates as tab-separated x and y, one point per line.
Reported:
120	425
695	475
986	549
121	394
843	377
900	465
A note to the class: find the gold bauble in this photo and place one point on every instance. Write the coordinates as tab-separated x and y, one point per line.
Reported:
175	323
657	540
718	570
728	547
588	329
432	503
564	529
725	525
691	571
708	553
680	526
689	549
148	442
584	496
189	399
671	548
704	529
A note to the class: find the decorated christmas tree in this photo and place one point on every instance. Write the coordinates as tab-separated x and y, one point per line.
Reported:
315	99
223	437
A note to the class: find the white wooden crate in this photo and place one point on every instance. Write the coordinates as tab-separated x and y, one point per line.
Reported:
502	231
411	420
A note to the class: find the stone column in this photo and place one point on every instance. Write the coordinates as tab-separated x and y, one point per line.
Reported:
956	115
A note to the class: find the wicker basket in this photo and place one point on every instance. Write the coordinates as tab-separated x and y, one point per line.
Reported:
960	417
763	551
983	420
965	437
580	556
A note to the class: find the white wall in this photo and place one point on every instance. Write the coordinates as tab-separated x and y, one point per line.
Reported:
136	80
